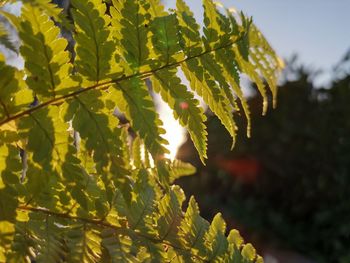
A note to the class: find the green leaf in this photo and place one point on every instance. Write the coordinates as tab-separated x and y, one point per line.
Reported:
10	171
142	206
21	244
169	214
136	152
5	40
215	239
94	47
133	26
179	169
47	137
228	73
50	247
190	37
212	30
6	236
193	229
14	94
265	59
135	102
119	247
206	87
11	18
200	75
164	35
46	61
185	107
83	244
249	252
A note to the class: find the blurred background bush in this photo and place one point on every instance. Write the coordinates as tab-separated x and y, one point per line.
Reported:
288	187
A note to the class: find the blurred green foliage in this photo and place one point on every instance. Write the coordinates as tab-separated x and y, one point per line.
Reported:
289	183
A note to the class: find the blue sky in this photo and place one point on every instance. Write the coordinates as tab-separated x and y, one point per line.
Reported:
317	30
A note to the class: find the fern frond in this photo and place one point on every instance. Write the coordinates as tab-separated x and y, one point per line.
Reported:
215	239
94	47
73	187
135	102
118	246
133	22
46	133
179	169
201	78
10	168
266	60
169	218
83	243
50	247
136	153
212	29
97	128
193	228
164	35
14	94
46	61
188	236
207	88
190	39
5	40
139	211
229	30
20	249
46	6
185	106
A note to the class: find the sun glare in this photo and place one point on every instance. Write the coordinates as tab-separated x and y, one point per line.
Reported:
175	134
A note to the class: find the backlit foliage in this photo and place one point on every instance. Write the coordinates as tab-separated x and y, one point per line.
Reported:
74	185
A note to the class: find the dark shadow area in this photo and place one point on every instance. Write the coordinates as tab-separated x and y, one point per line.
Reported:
286	188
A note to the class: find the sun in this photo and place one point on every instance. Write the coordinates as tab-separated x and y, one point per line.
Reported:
175	134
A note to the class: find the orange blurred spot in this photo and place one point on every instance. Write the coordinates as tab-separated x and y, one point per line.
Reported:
244	169
184	105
